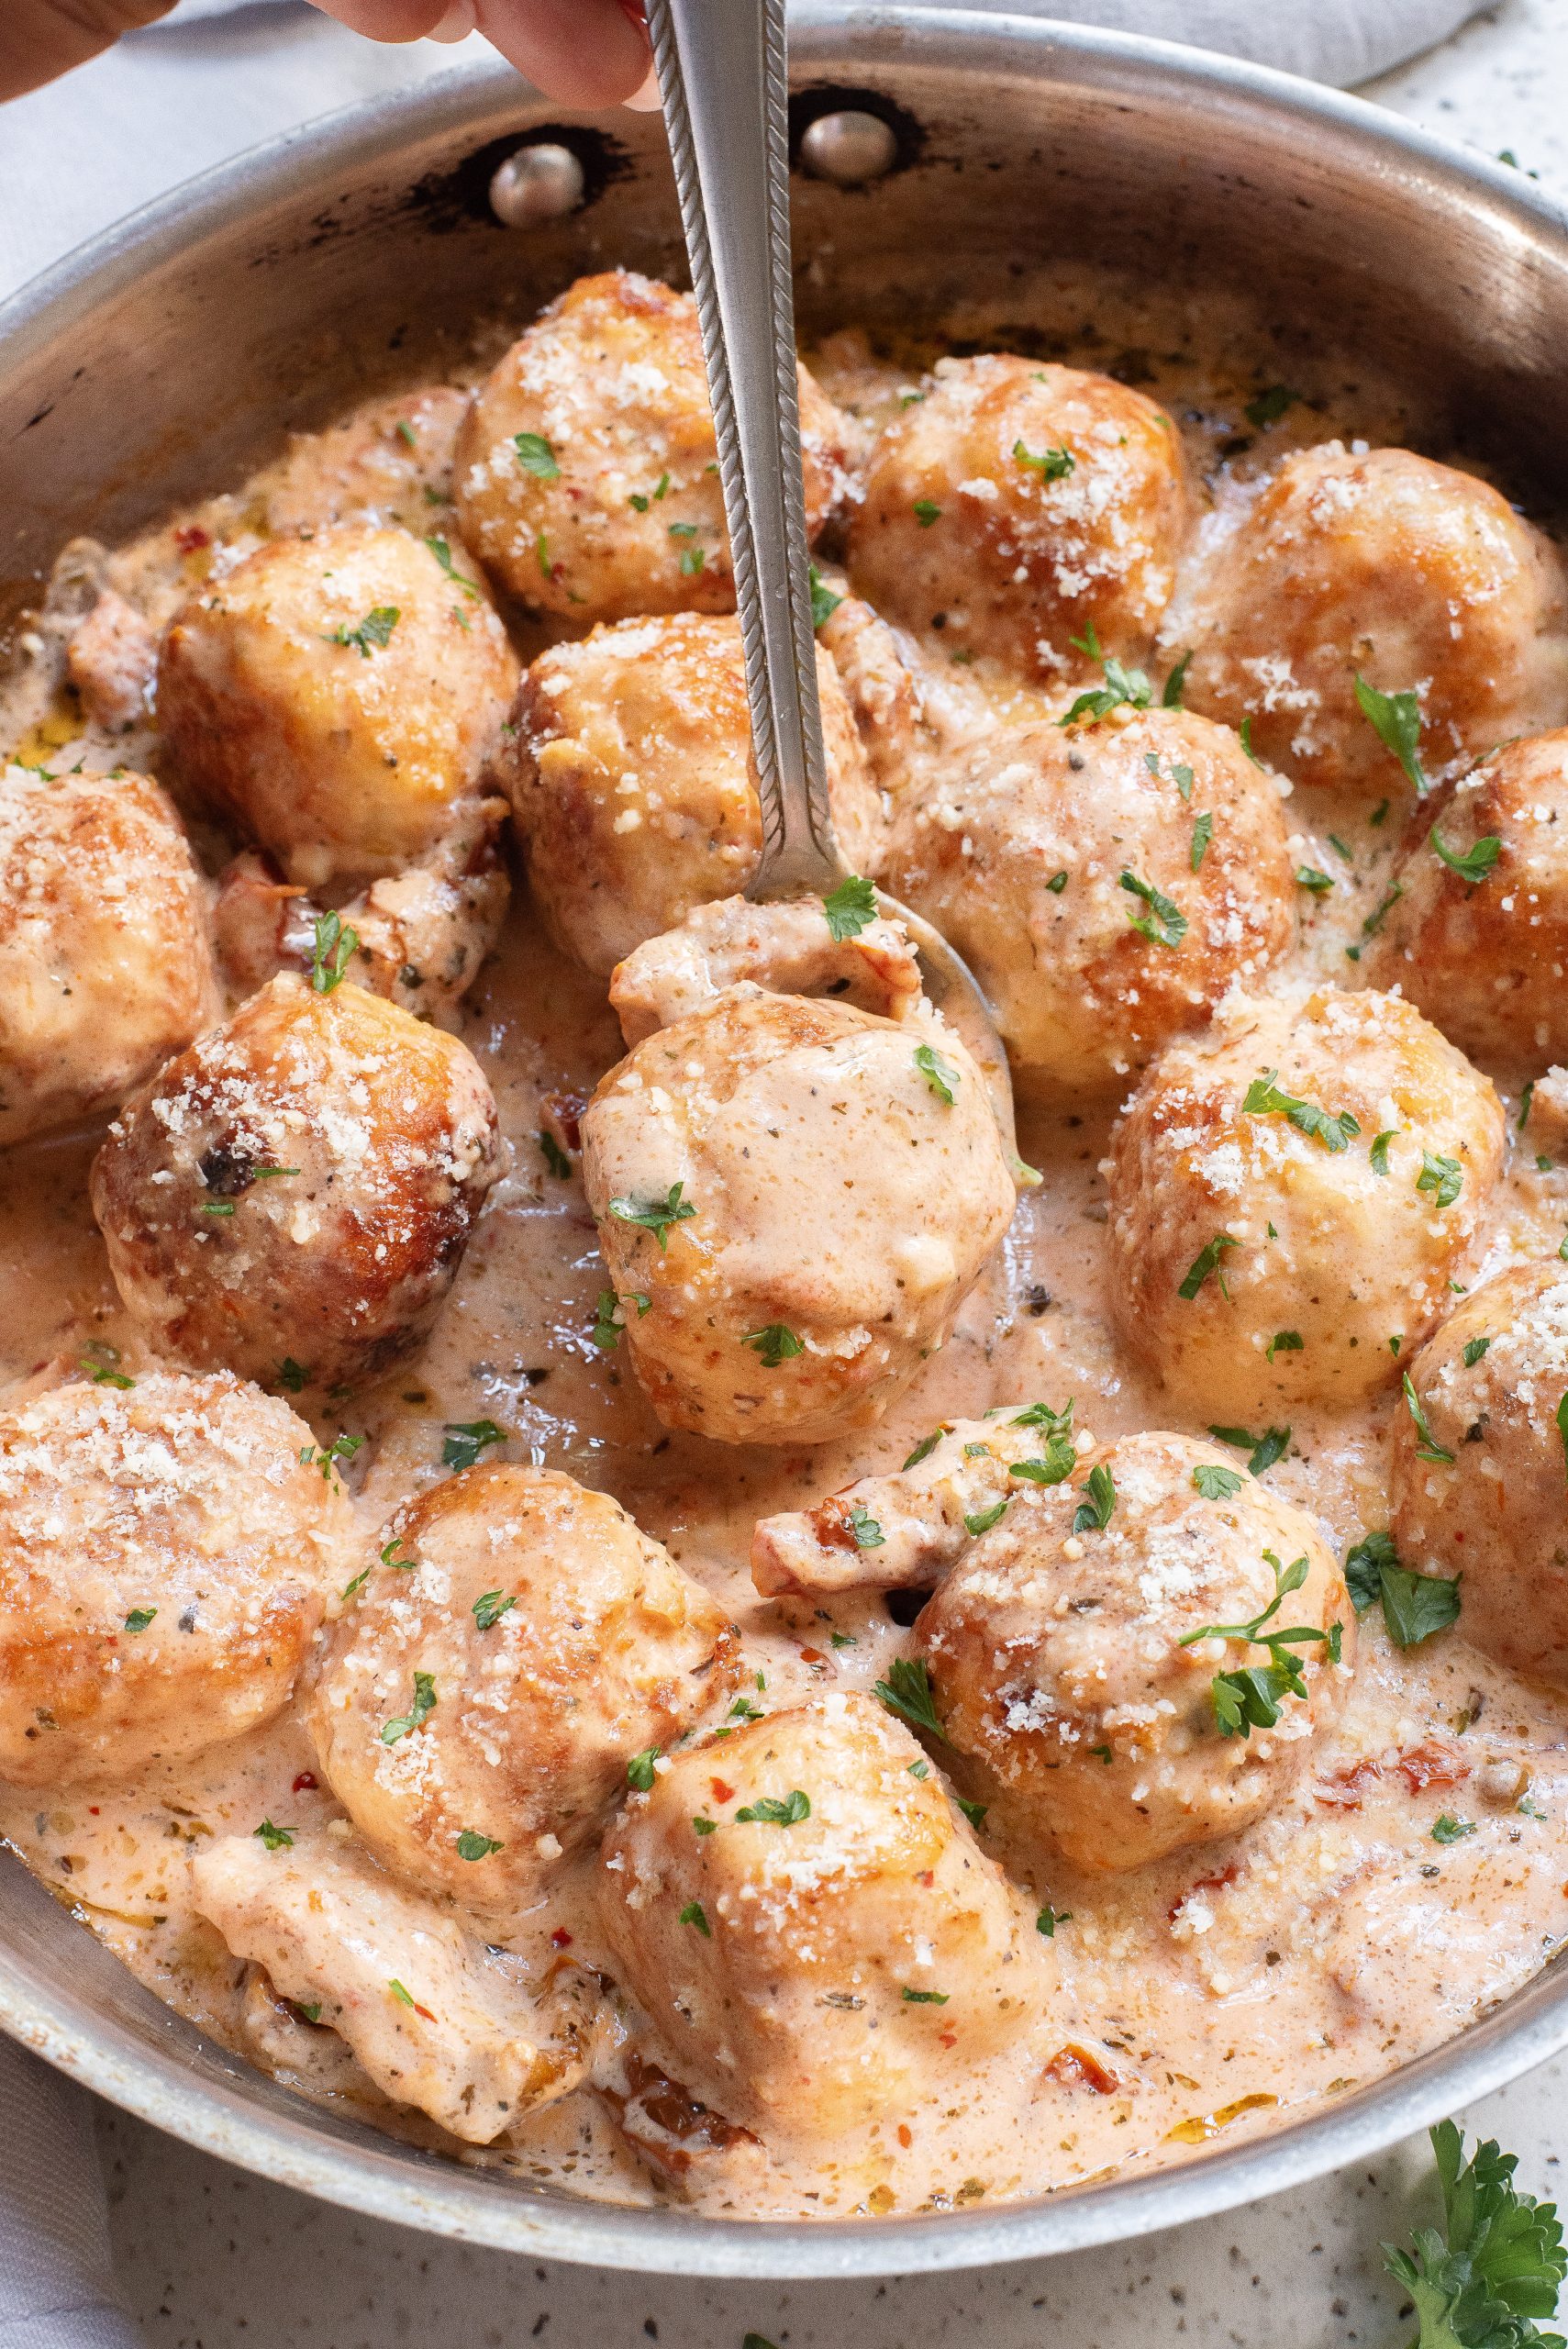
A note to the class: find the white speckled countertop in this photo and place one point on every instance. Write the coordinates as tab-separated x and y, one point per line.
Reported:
213	2259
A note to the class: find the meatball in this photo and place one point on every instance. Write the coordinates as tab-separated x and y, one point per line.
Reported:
1417	578
1064	1670
836	1946
165	1547
299	1187
1291	1196
793	1197
1107	882
106	966
434	2024
635	784
587	473
335	696
1477	934
1020	507
1480	1467
517	1644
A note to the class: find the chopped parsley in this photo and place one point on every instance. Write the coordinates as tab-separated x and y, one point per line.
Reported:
981	1521
973	1811
1180	776
1265	1099
1206	1261
1054	464
406	433
1123	689
926	512
373	633
1265	1449
907	1690
939	1074
1307	876
1443	1177
418	1712
639	1772
1175	684
1526	1098
334	950
1164	923
1562	1417
1474	1350
403	1997
139	1618
1285	1342
1447	1829
1095	1510
1215	1483
1203	832
1053	1467
555	1158
472	1845
655	1215
1473	864
925	1997
1270	405
773	1345
869	1535
536	456
1380	1149
824	603
1251	1697
102	1364
1397	719
844	1639
1057	882
1049	1918
694	1914
490	1606
775	1810
466	1439
440	548
608	1321
1414	1605
326	1456
660	490
850	909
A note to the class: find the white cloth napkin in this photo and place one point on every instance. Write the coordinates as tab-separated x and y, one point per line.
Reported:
214	78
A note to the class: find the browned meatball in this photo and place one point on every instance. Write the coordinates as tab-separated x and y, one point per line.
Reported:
529	1641
105	963
1057	1659
165	1549
299	1187
587	472
635	783
1477	934
1480	1469
1291	1194
836	1946
336	695
1107	882
1024	506
1418	578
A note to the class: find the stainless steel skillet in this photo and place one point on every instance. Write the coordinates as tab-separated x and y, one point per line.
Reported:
173	354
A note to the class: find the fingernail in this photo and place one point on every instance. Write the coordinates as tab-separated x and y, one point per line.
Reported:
646	99
457	24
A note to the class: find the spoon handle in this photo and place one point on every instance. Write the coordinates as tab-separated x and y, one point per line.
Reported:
723	79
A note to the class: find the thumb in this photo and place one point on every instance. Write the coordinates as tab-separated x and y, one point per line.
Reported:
39	39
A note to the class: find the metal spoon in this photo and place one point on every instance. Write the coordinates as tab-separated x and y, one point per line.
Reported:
723	79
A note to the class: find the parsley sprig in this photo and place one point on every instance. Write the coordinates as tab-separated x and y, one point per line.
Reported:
907	1691
1414	1605
1165	924
1497	2263
655	1215
1397	718
850	907
335	948
1265	1099
373	633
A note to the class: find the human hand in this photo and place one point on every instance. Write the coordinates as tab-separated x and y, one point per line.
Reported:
584	53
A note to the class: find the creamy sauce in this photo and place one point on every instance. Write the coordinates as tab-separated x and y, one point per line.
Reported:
1210	1993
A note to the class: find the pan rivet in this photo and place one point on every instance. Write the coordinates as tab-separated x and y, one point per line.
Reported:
848	148
536	184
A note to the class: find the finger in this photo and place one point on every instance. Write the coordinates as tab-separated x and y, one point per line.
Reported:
39	39
390	20
584	53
